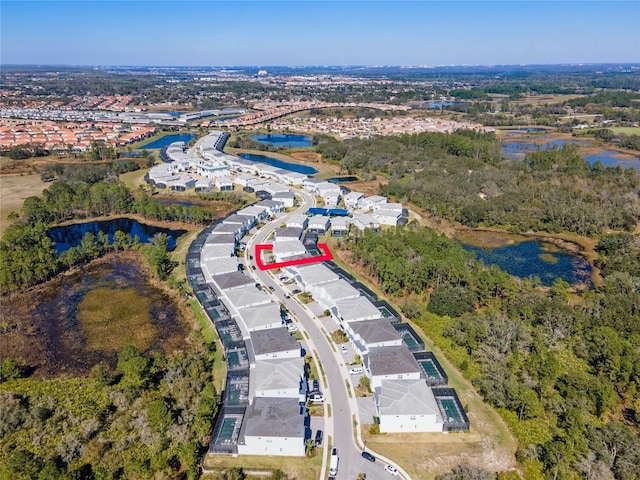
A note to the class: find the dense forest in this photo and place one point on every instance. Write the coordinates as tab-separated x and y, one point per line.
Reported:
27	254
562	370
150	418
462	177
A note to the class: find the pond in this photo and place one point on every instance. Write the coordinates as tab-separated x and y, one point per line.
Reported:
68	325
440	105
610	158
294	167
342	179
531	258
69	236
168	140
287	140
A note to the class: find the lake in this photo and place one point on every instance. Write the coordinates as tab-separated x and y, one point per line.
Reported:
287	140
69	236
294	167
610	158
168	140
540	259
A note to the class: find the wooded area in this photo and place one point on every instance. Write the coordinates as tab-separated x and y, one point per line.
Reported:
562	370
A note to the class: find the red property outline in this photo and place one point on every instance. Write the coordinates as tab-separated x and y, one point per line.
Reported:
301	261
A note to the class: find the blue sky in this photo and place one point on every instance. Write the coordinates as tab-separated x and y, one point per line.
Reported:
236	32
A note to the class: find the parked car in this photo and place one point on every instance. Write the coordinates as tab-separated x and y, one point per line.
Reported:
391	469
316	385
292	328
296	291
271	288
368	456
333	464
343	348
355	371
287	296
317	398
319	437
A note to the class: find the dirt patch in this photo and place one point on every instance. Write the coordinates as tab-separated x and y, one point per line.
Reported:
41	326
307	156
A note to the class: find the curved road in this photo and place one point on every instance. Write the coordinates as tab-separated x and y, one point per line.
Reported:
339	424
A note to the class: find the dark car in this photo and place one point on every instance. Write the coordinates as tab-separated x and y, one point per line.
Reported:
271	288
319	437
316	385
368	456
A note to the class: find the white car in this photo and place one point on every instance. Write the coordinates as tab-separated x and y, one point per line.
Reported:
355	371
292	328
317	398
343	348
392	470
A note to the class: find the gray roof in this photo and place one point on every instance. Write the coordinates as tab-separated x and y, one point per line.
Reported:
270	204
226	228
273	340
221	239
247	296
232	280
317	273
279	373
237	219
261	315
221	250
392	360
356	309
338	290
375	331
407	397
288	232
273	417
219	266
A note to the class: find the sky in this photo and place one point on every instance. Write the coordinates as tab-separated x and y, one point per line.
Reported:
262	33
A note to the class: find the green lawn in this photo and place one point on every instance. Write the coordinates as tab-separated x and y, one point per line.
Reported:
625	130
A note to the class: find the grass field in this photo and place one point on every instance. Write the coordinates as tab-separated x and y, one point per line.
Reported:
128	311
625	130
302	468
13	191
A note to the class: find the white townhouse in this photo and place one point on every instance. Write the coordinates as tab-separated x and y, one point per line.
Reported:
287	233
370	203
376	333
364	221
327	294
392	363
272	343
298	220
404	406
340	226
306	276
286	197
273	426
330	193
288	249
247	223
273	207
247	296
224	184
319	224
279	377
354	310
353	200
260	317
387	217
293	178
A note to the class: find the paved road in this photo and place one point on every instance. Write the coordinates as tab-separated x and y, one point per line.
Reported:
339	425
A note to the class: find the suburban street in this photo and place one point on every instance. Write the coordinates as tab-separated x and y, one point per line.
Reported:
338	429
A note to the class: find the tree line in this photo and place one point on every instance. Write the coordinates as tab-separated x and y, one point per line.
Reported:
563	370
27	254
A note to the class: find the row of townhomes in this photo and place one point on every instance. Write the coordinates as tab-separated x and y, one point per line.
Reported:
264	410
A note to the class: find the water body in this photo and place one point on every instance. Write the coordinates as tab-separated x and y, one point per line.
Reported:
294	167
342	179
528	259
287	140
168	140
71	235
609	158
511	133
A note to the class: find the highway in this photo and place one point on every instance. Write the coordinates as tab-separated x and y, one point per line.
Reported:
339	424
